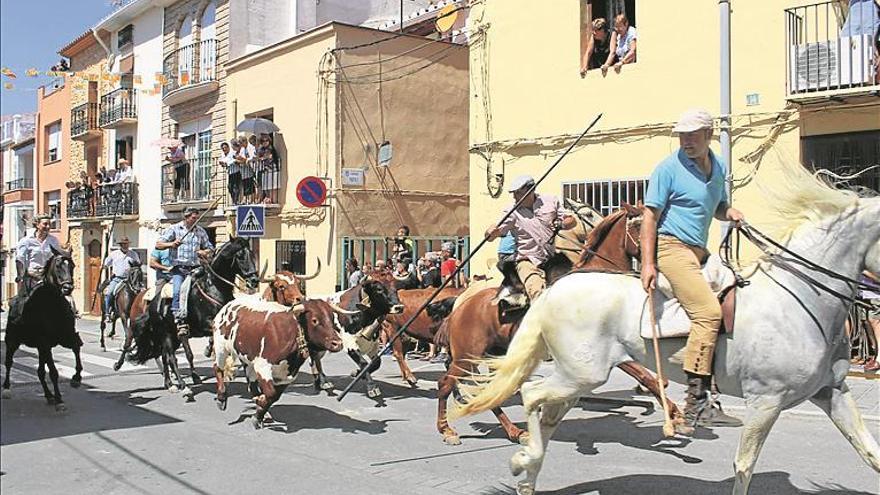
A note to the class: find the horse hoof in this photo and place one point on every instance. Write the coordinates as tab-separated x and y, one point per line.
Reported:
221	404
61	407
451	439
684	429
374	393
197	380
188	395
525	488
76	381
523	438
117	366
518	463
173	389
6	394
413	382
209	351
257	423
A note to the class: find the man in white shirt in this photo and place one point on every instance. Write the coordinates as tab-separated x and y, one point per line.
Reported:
33	252
120	262
123	172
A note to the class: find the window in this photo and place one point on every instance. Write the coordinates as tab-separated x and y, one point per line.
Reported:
53	138
125	37
52	207
290	255
845	155
606	196
597	22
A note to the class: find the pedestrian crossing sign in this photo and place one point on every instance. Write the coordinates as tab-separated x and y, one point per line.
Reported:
250	220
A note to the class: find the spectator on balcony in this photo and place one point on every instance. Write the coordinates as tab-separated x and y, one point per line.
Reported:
269	173
177	158
245	159
124	173
233	170
623	41
598	47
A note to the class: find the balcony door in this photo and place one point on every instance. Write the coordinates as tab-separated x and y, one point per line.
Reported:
185	52
207	51
198	154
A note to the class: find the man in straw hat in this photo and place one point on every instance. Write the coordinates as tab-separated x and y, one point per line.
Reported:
534	225
685	192
186	247
119	261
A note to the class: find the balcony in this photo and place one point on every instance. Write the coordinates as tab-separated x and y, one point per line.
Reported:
104	202
198	185
84	122
190	72
830	51
20	183
118	108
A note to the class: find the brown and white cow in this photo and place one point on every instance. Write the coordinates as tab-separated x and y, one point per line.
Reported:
272	341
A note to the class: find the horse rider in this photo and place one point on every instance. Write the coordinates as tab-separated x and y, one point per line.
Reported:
685	192
187	241
160	262
534	224
120	262
31	255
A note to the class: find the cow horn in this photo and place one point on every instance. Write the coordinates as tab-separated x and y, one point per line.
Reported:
401	279
309	277
263	271
298	308
342	311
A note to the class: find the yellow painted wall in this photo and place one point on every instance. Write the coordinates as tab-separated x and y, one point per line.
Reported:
426	185
526	85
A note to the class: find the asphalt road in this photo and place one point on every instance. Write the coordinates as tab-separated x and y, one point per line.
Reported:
122	433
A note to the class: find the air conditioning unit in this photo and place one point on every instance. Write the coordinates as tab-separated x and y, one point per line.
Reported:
833	64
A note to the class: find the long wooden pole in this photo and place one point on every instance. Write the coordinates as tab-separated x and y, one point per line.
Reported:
668	428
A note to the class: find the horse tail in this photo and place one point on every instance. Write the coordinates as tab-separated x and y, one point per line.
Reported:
507	373
147	345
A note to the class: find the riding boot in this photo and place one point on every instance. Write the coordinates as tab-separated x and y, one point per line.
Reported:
699	407
182	329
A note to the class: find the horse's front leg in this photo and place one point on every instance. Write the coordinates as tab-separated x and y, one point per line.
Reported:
10	351
187	350
41	374
839	405
76	380
760	419
103	327
53	374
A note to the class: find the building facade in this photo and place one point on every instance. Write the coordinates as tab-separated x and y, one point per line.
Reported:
803	91
17	150
52	156
382	124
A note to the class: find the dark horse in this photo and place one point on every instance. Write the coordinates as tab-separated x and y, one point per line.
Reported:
155	333
474	328
126	293
43	321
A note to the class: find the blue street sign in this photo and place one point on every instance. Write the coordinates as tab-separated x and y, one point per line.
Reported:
250	220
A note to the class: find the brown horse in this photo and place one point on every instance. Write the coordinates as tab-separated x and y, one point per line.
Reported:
122	301
474	329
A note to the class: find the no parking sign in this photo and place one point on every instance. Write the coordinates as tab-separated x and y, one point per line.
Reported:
311	192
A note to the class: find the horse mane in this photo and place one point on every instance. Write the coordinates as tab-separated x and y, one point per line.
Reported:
599	233
799	198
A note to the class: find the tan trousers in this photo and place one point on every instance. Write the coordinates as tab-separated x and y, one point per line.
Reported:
680	263
532	278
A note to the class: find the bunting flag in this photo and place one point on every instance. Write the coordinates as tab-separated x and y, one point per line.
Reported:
8	85
7	72
32	72
137	79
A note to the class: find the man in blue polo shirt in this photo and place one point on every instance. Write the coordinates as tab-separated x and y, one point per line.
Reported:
685	192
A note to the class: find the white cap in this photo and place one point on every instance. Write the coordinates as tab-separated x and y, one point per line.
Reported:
521	182
694	120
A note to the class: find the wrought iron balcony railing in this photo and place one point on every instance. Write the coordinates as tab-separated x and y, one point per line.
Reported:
20	183
199	180
118	106
104	201
83	119
190	65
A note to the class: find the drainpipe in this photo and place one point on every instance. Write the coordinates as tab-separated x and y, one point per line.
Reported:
724	12
110	55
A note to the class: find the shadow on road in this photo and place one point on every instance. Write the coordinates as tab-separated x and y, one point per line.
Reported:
775	482
292	418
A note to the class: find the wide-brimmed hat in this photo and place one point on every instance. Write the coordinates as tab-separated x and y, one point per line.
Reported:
693	120
521	182
189	211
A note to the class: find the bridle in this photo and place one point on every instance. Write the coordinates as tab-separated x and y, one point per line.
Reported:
210	268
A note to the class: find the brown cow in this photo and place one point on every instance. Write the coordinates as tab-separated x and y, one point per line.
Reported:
273	341
425	325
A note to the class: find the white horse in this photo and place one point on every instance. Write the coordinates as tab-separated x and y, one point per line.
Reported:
789	344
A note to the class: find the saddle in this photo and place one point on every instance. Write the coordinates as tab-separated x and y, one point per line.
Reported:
167	292
672	319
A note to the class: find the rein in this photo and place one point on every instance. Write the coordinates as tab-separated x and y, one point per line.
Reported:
764	243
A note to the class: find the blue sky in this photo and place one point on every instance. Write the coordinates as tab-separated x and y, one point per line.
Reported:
31	32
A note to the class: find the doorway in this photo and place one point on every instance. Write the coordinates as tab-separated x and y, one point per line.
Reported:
93	277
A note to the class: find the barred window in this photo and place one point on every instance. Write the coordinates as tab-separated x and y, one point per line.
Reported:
606	196
290	255
852	156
